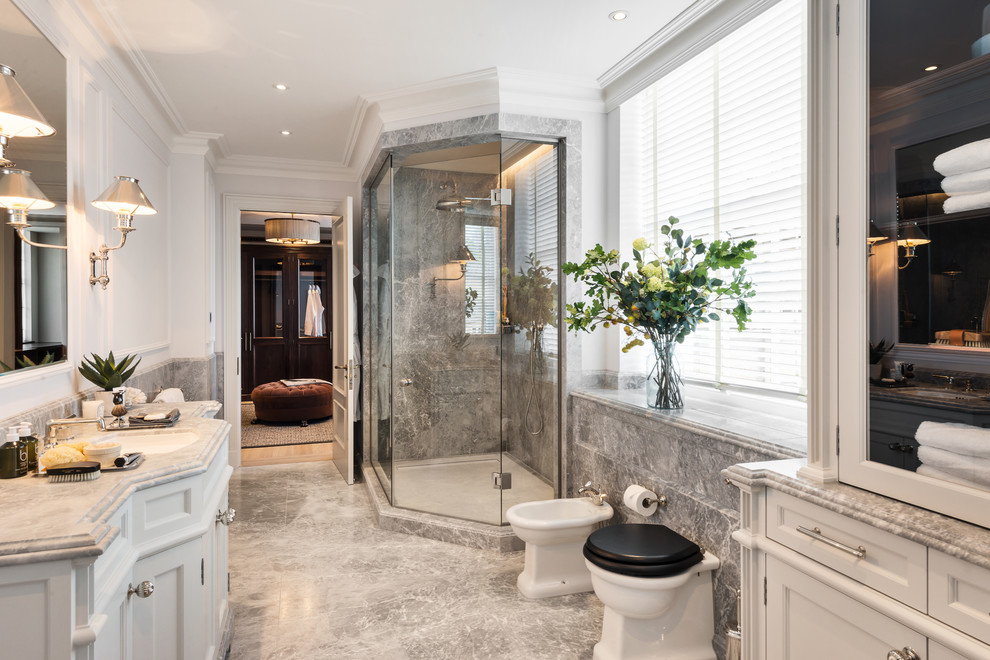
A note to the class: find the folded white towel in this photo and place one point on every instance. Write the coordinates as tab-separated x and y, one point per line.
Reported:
935	473
969	202
967	182
969	157
959	438
170	395
976	470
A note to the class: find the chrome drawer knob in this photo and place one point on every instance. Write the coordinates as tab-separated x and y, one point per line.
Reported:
405	382
226	517
907	653
143	590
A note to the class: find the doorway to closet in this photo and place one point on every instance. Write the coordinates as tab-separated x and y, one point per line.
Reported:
286	340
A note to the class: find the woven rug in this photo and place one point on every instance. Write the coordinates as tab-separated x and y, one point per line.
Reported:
281	435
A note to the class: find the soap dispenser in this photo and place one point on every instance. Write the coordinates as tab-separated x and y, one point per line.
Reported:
13	456
31	441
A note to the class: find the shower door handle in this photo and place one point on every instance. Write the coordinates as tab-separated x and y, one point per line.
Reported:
405	382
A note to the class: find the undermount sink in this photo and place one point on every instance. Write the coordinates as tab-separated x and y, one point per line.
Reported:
162	441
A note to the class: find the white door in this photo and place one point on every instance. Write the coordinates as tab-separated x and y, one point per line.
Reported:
344	367
808	620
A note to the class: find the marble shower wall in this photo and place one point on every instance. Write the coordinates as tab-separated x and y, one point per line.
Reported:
452	406
615	445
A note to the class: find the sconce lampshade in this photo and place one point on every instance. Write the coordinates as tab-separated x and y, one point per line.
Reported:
912	236
875	234
292	231
19	117
124	197
463	255
18	192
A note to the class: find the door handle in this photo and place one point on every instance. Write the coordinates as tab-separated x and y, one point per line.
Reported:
339	366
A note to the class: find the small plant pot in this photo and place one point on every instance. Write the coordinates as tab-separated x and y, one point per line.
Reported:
876	371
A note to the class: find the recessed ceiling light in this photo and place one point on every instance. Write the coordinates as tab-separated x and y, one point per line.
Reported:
280	86
286	132
619	15
931	68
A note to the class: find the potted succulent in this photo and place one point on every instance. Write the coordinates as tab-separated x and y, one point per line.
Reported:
108	373
662	297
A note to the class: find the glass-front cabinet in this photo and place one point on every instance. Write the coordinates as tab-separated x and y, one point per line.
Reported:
914	209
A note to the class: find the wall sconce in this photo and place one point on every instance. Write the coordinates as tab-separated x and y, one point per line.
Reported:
20	194
911	237
875	237
125	199
18	115
463	256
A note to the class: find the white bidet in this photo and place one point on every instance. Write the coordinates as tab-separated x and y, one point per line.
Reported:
555	532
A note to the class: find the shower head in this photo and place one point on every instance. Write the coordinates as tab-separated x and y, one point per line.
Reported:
452	202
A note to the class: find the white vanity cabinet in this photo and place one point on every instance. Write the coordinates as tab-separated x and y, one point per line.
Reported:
80	587
831	571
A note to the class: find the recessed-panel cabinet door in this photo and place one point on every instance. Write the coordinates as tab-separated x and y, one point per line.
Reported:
809	620
112	642
170	624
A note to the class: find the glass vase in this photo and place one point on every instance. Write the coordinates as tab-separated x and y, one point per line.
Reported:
663	385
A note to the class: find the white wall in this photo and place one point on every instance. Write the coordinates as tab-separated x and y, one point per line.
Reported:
112	128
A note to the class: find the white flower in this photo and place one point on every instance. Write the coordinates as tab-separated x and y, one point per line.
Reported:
640	244
653	284
650	270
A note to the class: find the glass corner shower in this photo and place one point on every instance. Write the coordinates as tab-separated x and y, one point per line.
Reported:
465	326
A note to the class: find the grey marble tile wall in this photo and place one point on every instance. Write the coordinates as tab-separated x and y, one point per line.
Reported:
615	447
451	408
530	411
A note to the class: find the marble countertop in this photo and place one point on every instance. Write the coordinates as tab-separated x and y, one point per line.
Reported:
949	535
43	521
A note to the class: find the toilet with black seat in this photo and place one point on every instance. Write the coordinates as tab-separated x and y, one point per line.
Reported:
657	589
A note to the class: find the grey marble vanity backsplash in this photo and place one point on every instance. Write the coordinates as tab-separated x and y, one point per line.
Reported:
198	378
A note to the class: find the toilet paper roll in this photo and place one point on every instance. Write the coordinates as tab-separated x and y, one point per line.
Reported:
636	497
92	409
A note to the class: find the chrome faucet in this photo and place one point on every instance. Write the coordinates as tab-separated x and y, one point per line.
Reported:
57	426
597	496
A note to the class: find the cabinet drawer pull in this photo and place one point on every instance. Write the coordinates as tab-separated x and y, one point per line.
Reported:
816	534
143	590
907	653
226	517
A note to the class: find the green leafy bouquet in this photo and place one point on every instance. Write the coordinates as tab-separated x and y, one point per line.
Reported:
532	299
663	296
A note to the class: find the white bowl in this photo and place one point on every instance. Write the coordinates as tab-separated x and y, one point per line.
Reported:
104	452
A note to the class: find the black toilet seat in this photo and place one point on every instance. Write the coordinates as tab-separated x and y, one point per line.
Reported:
641	550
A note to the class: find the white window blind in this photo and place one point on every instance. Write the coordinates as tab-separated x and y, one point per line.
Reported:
536	221
482	277
720	143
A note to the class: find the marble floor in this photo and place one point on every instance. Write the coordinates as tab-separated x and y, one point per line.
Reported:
461	486
312	577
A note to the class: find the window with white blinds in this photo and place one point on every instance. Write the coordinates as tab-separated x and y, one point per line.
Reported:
482	277
535	209
720	143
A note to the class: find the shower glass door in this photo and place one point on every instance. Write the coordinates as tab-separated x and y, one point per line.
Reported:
446	406
529	324
464	327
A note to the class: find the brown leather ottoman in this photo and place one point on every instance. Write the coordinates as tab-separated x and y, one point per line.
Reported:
275	402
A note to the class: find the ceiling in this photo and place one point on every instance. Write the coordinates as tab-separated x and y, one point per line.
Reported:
214	63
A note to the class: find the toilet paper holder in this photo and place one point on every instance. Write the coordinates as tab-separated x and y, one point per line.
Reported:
660	499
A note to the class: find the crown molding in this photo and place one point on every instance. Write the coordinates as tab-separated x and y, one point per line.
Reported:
522	88
289	168
689	33
452	97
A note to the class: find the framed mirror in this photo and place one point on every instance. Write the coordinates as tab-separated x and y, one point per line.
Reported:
33	294
928	279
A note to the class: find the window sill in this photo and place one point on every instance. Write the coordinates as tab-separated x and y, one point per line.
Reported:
765	423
